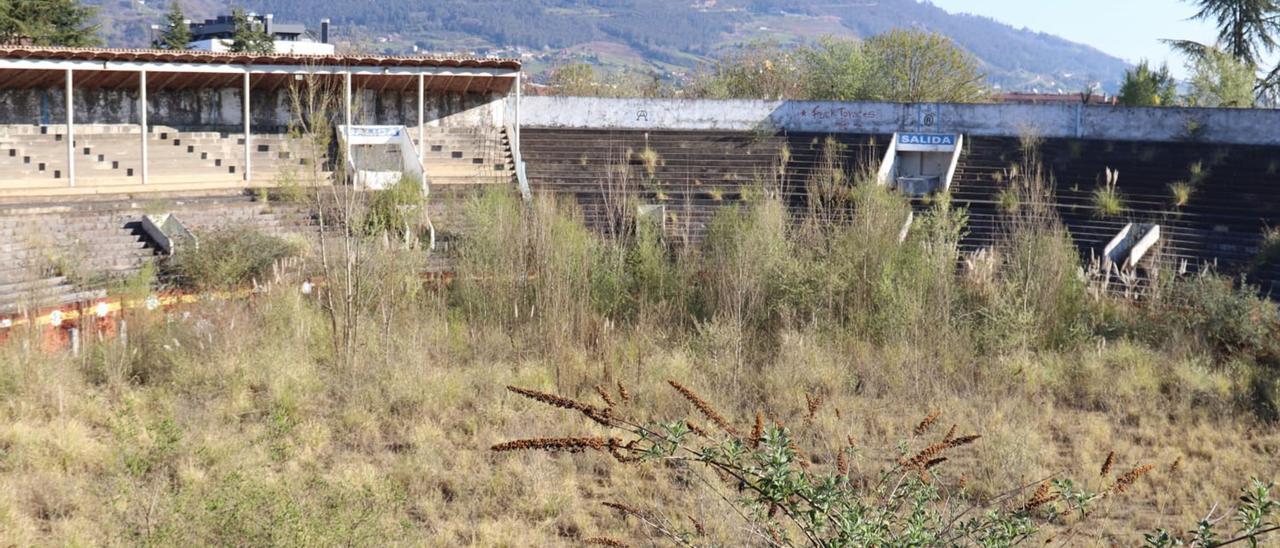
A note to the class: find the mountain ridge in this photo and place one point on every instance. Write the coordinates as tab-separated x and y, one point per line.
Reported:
670	37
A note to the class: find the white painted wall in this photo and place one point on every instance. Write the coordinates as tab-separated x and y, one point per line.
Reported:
1234	126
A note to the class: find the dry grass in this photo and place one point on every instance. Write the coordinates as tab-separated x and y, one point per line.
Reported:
236	424
258	429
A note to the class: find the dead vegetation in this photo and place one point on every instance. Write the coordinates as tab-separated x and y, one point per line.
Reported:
251	422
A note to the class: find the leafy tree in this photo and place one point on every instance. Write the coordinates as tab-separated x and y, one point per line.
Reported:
177	33
48	23
903	66
918	67
1144	87
249	35
760	70
576	79
1220	80
836	69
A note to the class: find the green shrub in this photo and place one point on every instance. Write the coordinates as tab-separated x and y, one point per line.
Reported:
1197	172
1268	253
395	209
1107	201
1007	200
229	257
1232	320
1181	192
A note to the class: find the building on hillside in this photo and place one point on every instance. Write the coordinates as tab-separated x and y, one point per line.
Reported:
216	34
1035	98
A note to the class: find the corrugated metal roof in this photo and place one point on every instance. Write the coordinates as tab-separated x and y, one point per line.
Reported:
190	56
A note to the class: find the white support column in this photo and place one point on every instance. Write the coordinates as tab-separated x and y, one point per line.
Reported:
71	128
517	124
422	132
142	121
248	137
346	95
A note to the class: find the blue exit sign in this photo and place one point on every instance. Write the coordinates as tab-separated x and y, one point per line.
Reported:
928	139
927	142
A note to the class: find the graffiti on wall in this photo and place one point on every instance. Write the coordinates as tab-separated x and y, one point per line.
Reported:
837	116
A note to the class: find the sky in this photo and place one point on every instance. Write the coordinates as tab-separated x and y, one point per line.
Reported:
1128	29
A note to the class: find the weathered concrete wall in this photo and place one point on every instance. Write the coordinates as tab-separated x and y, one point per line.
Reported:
221	108
1234	126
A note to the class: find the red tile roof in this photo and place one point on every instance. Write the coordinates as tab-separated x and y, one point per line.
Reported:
227	58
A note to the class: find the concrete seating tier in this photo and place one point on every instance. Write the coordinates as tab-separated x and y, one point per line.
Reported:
109	160
1235	197
466	156
691	174
58	251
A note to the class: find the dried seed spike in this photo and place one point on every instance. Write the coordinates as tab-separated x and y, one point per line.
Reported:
964	482
697	526
813	403
926	423
704	407
623	392
842	464
757	432
569	445
1038	499
606	541
616	450
934	462
601	416
925	455
625	508
696	429
551	399
604	395
1107	464
951	435
1127	480
933	451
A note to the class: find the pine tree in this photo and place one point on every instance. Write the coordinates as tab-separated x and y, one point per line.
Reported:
1246	28
1144	87
177	34
249	35
48	23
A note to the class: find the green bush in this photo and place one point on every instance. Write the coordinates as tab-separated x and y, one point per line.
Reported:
229	257
395	209
1232	320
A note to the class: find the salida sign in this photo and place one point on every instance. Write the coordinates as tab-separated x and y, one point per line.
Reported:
926	142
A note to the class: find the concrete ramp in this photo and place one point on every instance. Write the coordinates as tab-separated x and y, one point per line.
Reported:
1129	246
380	155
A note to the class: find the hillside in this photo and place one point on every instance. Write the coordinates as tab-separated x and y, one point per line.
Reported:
663	35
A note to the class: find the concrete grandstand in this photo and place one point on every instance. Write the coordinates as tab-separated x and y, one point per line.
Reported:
92	139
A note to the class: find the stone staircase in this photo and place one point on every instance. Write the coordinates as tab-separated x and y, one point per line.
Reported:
59	251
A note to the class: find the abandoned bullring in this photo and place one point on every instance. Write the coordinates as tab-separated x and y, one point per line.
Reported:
99	146
297	296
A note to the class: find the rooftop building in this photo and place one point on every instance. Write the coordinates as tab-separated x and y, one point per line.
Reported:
216	34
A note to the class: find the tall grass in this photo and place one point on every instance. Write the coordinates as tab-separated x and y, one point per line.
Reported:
243	422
